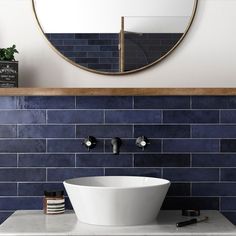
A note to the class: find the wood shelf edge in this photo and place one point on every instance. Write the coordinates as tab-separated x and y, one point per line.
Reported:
117	91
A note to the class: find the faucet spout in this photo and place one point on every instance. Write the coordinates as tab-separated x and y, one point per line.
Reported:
116	143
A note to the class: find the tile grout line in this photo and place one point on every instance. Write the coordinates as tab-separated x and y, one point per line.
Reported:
17	131
162	116
219	146
125	167
133	130
121	124
191	160
17	160
219	175
104	116
46	177
162	146
220	203
75	159
191	189
133	160
46	118
46	147
17	189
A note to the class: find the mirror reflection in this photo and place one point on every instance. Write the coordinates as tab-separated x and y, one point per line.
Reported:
114	37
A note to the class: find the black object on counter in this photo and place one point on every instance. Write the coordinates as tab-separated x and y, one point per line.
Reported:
190	212
190	222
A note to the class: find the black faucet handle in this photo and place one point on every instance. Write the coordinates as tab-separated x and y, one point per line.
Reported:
142	142
90	142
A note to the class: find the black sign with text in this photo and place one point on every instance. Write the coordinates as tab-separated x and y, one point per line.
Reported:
8	74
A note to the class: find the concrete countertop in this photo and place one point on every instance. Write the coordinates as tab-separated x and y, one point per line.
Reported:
36	223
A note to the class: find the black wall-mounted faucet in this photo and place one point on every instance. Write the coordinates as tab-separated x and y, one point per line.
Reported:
116	143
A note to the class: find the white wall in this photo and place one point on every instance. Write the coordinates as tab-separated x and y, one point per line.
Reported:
206	58
174	24
104	16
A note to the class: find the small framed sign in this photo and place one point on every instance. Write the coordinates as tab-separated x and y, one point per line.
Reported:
8	74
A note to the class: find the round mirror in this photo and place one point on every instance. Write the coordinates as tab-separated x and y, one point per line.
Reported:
114	36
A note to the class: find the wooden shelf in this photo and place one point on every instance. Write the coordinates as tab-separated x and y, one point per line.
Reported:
116	91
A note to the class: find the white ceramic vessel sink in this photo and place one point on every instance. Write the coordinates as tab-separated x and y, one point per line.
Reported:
116	200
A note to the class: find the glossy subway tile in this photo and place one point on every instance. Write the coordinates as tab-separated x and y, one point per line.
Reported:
179	203
228	145
22	174
133	116
8	131
228	174
162	102
214	131
162	131
22	145
8	160
23	117
191	116
47	102
20	203
104	131
96	102
162	160
228	116
190	145
8	103
8	189
179	189
214	189
149	172
75	116
46	131
61	174
104	160
214	160
191	174
46	160
214	102
228	203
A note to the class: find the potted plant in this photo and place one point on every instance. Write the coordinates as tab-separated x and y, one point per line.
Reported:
8	67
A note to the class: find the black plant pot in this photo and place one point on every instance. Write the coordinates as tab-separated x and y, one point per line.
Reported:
8	74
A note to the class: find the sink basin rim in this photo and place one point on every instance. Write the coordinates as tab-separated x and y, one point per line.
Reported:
159	182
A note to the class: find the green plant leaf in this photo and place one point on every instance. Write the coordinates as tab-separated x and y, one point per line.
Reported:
7	54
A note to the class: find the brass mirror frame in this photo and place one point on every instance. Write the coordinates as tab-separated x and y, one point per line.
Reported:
118	73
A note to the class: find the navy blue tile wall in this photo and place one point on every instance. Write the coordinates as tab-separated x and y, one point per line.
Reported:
192	143
144	49
94	51
101	51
